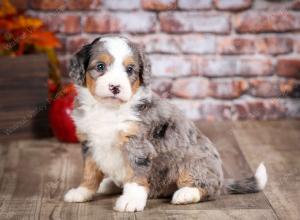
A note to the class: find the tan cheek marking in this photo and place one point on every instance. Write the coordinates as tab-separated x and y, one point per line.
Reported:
136	85
92	176
90	83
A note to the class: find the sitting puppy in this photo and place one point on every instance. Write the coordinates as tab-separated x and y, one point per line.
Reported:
135	141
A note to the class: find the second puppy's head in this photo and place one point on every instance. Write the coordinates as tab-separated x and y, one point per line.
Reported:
112	68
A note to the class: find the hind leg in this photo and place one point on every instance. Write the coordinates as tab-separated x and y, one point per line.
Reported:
187	195
196	184
188	191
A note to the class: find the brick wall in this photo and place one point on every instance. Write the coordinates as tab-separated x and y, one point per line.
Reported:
215	59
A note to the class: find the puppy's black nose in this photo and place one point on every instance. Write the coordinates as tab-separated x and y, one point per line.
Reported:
115	89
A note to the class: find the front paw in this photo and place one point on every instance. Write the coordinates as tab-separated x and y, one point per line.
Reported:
134	198
79	194
127	204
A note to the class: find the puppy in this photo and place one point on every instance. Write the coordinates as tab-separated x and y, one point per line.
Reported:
136	142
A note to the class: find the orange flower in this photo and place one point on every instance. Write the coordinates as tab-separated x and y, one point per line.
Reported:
7	9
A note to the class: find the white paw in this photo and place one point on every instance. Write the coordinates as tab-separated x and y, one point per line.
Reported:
79	194
107	187
186	195
134	198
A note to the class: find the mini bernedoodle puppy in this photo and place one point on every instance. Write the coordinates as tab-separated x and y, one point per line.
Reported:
136	142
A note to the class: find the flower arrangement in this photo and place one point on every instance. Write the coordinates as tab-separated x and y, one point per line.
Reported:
22	34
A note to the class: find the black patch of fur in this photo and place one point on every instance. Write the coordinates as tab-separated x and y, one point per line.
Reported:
160	130
80	62
140	161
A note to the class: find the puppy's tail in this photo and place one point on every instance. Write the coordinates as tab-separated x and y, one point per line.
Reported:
252	184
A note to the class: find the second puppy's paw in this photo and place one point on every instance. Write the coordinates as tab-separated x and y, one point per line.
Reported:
134	198
79	194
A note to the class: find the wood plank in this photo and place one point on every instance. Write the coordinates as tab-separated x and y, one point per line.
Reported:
208	214
21	65
34	175
278	145
23	87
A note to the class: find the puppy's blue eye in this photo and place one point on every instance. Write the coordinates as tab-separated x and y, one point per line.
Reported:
129	70
100	67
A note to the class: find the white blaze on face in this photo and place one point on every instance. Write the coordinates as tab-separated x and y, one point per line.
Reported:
116	72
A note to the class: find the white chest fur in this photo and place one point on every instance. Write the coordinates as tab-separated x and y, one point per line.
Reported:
102	124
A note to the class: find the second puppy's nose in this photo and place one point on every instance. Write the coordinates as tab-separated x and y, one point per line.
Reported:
115	89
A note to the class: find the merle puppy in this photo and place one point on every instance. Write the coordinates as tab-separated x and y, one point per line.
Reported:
136	142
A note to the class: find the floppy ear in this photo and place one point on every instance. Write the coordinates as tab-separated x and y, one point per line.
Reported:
79	63
145	67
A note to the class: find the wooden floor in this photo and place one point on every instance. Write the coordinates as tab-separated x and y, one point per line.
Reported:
34	175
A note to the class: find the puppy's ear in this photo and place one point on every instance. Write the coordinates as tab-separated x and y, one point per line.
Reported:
79	63
145	67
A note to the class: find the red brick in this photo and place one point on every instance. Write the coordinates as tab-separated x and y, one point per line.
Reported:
121	5
161	86
268	88
197	44
47	4
83	4
139	22
240	110
211	110
180	22
190	44
73	44
297	45
296	5
170	66
228	88
191	88
235	45
195	4
59	22
259	109
257	22
266	109
71	24
161	43
159	5
233	5
274	45
101	23
232	67
289	67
